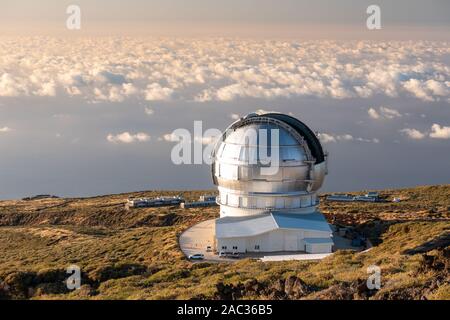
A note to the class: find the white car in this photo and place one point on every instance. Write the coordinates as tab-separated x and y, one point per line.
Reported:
197	256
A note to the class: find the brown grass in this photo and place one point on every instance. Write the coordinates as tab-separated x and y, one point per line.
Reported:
134	254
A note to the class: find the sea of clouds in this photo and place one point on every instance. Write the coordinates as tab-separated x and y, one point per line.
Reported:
116	69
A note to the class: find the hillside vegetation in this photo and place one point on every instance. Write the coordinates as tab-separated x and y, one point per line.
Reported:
134	254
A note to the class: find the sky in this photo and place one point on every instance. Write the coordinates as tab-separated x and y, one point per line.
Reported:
285	18
91	112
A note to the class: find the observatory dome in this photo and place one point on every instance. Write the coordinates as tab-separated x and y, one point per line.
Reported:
249	147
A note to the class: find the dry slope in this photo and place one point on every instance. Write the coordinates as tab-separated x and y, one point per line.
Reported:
134	254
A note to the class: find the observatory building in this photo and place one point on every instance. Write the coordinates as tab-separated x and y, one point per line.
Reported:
262	212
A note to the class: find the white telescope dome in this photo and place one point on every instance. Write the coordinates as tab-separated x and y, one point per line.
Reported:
266	163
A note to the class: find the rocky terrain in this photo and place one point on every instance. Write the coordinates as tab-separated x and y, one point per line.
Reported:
134	254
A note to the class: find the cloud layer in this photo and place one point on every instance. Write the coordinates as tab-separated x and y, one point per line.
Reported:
440	132
117	69
383	113
328	137
436	132
126	137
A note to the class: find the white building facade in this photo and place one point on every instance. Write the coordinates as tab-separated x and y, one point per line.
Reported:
261	212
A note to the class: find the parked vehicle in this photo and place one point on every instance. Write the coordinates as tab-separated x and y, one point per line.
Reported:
208	249
222	254
197	256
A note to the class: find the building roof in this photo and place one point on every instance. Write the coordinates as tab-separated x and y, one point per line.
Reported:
232	227
313	221
313	142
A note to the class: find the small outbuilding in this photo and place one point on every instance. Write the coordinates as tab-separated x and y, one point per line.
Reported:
318	245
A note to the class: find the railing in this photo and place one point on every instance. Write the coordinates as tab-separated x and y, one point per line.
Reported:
270	208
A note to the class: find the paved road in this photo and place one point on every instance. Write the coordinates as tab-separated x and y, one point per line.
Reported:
300	256
197	238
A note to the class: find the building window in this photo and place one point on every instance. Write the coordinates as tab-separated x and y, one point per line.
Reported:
235	248
288	203
279	203
233	200
224	247
244	202
270	203
260	203
306	201
243	173
257	247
